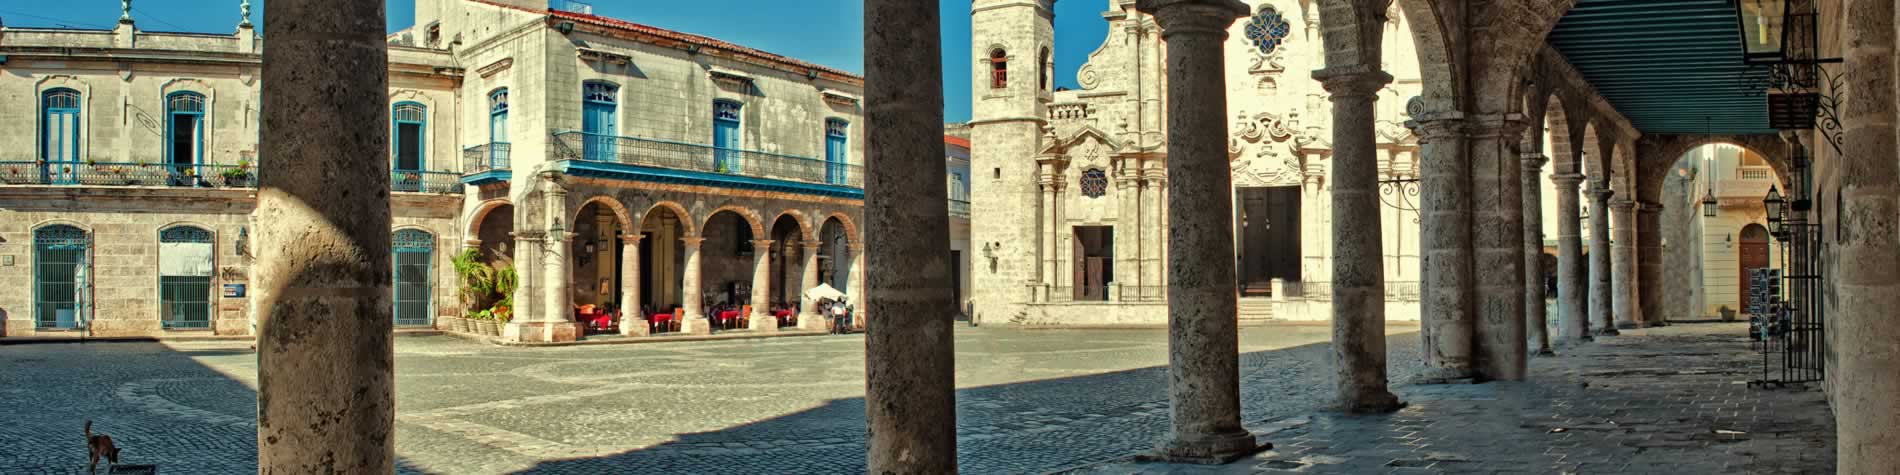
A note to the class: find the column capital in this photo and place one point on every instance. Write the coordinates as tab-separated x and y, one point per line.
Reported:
1357	80
631	238
855	247
472	243
1600	194
1433	129
1497	125
759	243
1623	205
810	245
528	235
1193	17
1649	207
1533	161
692	241
1568	181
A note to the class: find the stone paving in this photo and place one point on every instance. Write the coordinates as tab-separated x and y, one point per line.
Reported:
1671	400
1028	401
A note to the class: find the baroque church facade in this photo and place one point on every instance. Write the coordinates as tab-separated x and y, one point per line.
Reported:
1070	187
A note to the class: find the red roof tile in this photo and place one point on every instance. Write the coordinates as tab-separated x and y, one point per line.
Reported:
957	141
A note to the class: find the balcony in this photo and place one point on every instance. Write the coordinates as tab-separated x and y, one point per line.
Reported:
704	164
485	163
186	176
959	208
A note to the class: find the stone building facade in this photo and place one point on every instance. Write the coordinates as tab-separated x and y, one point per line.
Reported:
604	161
1070	191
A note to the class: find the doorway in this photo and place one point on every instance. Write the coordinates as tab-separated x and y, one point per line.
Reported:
1750	255
1267	223
1094	262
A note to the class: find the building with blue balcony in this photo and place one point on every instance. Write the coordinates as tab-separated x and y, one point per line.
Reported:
654	181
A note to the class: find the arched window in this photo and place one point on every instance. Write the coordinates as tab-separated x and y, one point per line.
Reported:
61	297
184	136
999	69
185	260
837	150
59	135
1043	65
408	135
413	250
1267	29
498	129
726	137
600	124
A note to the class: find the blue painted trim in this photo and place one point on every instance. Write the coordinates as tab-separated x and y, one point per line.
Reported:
422	136
197	123
486	177
619	171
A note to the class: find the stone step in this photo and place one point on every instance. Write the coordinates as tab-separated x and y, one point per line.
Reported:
1255	309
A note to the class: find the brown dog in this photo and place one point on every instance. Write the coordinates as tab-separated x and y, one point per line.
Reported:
100	446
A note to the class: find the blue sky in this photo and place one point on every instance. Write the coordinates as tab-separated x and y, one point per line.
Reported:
828	32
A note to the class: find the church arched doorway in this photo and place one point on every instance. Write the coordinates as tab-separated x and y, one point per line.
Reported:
1267	228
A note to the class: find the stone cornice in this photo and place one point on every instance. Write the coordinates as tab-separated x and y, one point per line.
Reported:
1193	17
1357	80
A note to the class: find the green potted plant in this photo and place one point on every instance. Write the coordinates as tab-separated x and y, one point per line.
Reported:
237	176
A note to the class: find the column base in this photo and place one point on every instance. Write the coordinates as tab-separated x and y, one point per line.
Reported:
1628	325
1381	403
1545	352
811	321
1656	324
636	327
541	332
695	325
1213	449
1447	376
1608	331
762	323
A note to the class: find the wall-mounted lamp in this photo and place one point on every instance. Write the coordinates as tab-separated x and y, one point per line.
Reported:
989	251
243	243
564	27
1728	241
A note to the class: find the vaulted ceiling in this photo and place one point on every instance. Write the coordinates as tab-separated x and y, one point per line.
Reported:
1671	66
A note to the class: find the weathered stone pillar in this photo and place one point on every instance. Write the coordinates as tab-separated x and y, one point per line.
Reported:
909	360
1050	240
557	309
1127	240
808	317
1649	264
1150	232
761	317
1535	322
1602	315
1623	263
858	284
1867	285
525	322
694	322
1498	247
1446	284
1572	288
632	322
1203	343
1358	242
326	361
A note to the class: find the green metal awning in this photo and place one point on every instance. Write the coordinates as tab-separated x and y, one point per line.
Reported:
1671	66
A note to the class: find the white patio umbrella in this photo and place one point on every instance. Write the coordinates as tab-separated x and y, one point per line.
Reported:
823	292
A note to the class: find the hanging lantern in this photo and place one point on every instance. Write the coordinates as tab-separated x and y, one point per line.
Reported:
1708	205
1774	204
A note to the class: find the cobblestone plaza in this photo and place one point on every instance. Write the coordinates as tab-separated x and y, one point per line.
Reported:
1028	402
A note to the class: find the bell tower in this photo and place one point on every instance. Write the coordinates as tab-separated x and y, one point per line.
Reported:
1011	44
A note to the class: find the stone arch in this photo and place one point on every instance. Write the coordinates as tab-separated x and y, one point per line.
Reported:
1503	38
621	215
1440	77
685	218
1562	146
481	214
1658	154
57	222
850	228
804	223
751	218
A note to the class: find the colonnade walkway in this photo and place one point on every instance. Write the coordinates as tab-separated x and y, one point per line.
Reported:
1672	400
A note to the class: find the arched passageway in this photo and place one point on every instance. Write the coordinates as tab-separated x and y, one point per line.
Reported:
597	274
662	262
834	255
787	267
495	229
727	260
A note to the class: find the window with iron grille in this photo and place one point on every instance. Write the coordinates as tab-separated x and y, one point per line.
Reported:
412	250
185	262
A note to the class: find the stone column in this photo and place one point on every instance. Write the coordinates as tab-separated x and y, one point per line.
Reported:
632	322
1203	343
858	284
1536	322
1150	229
1623	264
1649	264
1313	266
1572	289
910	390
1127	237
808	318
694	322
1602	315
1867	282
325	358
1050	240
761	317
557	297
524	323
1358	240
1498	247
1446	285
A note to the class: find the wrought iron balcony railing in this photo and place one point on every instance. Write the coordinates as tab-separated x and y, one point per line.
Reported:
485	157
209	175
571	145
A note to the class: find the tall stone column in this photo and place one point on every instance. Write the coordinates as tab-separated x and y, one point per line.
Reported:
1203	343
761	317
632	322
1602	316
1572	288
1446	284
1649	264
325	358
1358	240
1152	181
1127	240
1867	281
694	322
1049	238
1498	247
808	318
1535	322
525	321
909	360
858	284
1623	263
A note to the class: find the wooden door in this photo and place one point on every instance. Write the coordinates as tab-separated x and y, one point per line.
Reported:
1752	253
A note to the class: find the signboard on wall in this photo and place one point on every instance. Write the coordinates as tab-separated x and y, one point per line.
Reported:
233	291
